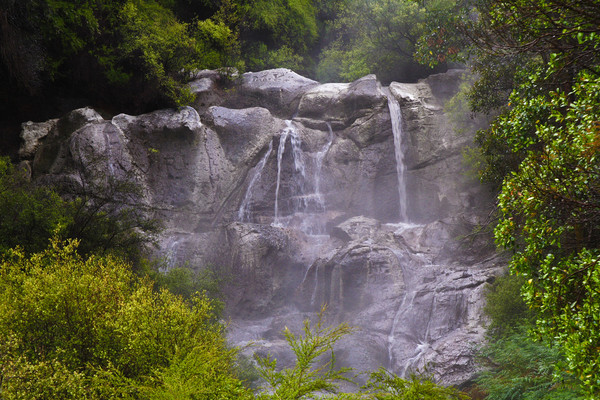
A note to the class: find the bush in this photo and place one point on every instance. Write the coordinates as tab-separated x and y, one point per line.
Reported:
29	215
70	325
104	216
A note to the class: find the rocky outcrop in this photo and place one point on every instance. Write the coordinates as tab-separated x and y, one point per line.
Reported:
291	188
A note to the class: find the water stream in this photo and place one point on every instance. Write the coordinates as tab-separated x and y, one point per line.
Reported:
396	117
244	212
305	201
280	150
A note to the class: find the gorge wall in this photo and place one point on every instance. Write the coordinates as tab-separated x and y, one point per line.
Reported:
296	192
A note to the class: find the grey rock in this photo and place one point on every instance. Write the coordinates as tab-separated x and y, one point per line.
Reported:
414	288
278	90
206	91
243	133
52	154
342	103
31	134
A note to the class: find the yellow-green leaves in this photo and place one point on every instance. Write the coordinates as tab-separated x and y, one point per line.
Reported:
71	325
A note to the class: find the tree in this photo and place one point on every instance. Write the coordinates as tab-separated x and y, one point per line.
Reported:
312	374
549	218
273	33
134	55
519	367
88	328
541	153
104	215
29	215
378	37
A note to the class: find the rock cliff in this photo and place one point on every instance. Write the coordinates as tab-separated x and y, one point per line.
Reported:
293	189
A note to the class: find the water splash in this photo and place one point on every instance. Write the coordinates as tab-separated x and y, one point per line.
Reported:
396	117
244	211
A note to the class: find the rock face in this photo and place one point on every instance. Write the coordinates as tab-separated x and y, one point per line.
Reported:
291	188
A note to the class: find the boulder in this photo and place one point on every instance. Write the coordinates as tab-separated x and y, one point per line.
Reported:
342	103
278	90
31	134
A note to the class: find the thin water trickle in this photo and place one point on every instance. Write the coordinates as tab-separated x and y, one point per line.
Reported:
280	150
171	254
405	304
396	117
404	315
320	156
313	297
244	212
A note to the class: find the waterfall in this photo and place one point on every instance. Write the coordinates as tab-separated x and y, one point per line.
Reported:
396	117
280	150
319	167
170	256
243	212
305	200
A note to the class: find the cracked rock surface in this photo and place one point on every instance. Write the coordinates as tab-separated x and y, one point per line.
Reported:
290	188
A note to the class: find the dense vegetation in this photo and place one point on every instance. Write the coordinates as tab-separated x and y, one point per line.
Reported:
75	328
537	69
137	55
546	142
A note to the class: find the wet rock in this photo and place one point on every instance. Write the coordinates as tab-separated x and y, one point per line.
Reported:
413	288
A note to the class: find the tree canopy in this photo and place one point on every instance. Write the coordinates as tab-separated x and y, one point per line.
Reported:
538	65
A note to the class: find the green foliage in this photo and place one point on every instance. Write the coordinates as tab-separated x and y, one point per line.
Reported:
134	53
312	374
88	328
441	40
273	34
548	217
505	307
377	37
537	63
383	385
184	282
518	367
29	215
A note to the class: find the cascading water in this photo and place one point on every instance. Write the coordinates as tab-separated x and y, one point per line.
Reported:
244	211
170	256
319	162
396	117
304	197
280	150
